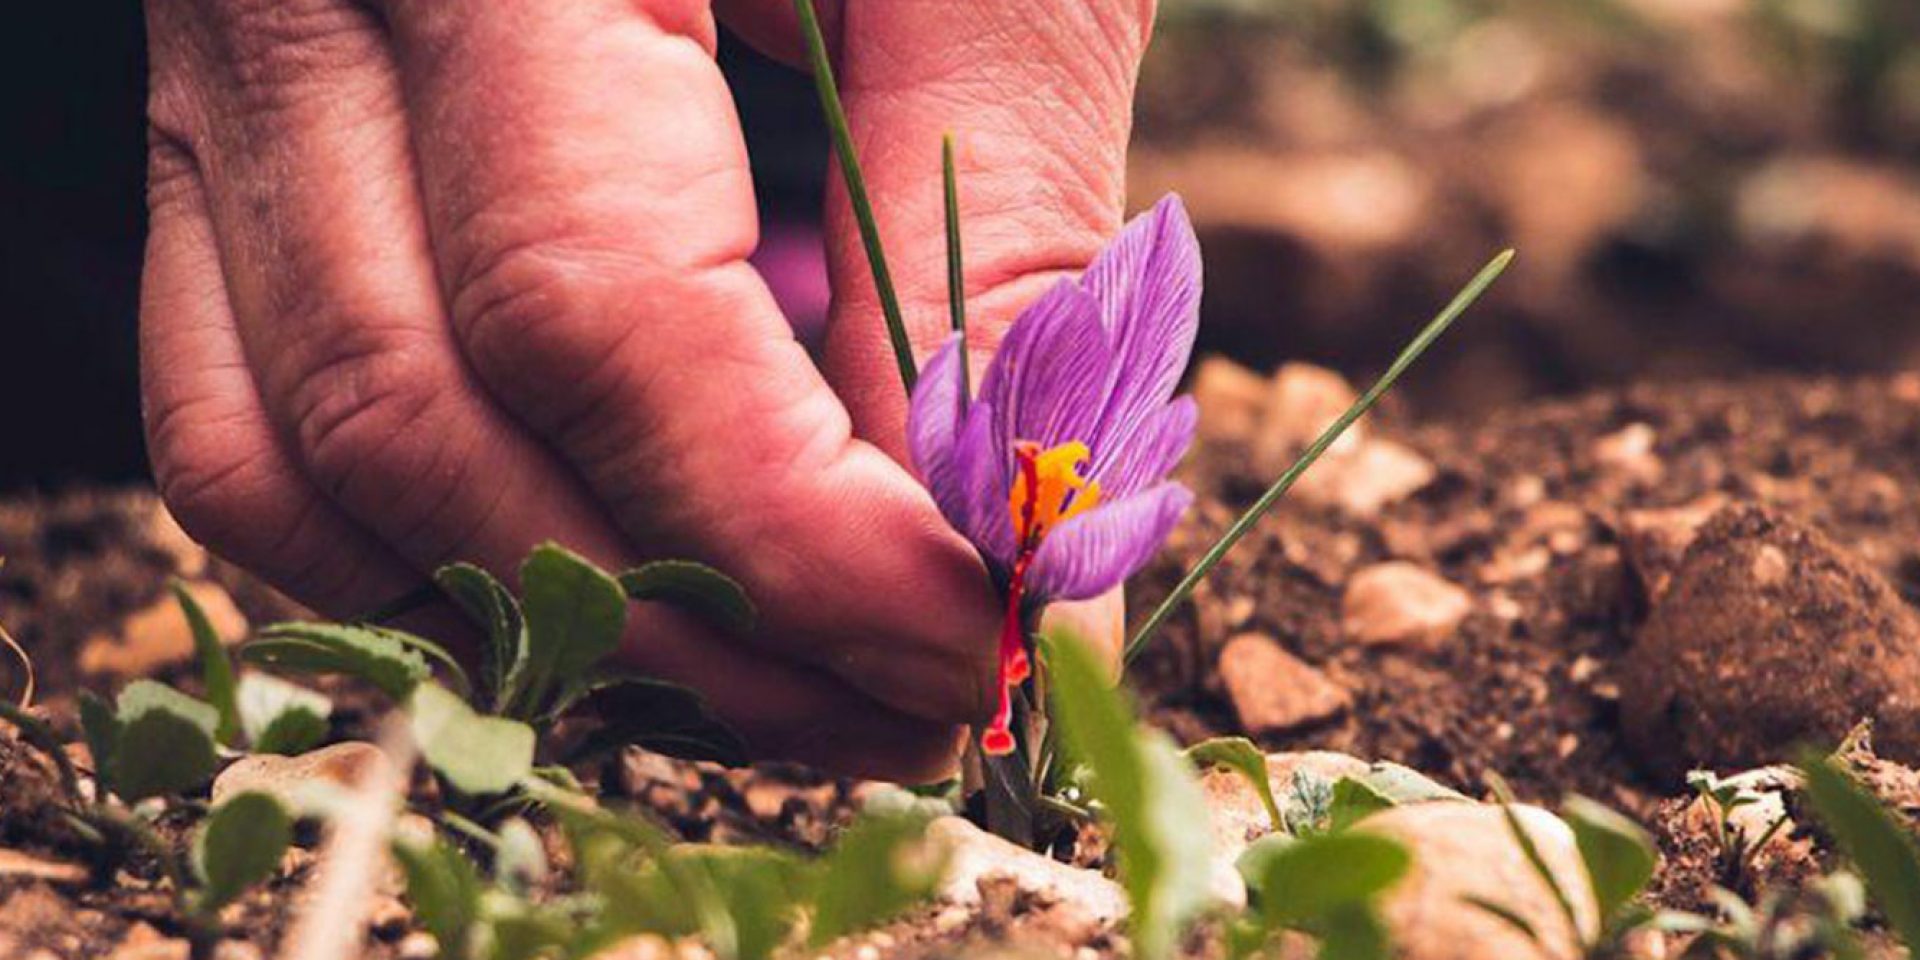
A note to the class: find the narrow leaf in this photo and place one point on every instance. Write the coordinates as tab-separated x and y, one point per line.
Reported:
216	670
856	183
1150	795
239	846
445	890
696	588
1505	914
1873	840
1618	853
1247	520
956	269
322	648
488	603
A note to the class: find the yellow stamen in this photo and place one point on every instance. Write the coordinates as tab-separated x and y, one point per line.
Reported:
1048	489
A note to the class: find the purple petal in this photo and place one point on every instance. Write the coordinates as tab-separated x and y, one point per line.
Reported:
1049	377
1096	551
982	474
934	414
1148	285
1150	454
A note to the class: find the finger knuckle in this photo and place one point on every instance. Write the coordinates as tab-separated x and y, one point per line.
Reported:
359	403
212	483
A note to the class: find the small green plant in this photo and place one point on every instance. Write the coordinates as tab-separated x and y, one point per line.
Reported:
1326	885
544	658
743	902
1722	798
1619	858
1877	843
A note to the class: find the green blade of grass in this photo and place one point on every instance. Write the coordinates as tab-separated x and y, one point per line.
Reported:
956	274
1434	328
856	189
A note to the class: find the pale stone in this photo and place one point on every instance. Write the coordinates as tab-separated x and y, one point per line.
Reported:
190	559
292	780
143	942
1629	453
1230	399
1366	479
1238	816
1401	603
1467	850
1273	690
158	635
975	855
1302	401
15	865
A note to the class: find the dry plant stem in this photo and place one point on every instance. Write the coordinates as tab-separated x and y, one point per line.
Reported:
1434	328
334	924
26	664
856	189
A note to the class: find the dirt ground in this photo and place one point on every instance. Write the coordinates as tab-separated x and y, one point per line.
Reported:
1556	522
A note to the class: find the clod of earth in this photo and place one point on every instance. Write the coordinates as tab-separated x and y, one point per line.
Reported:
1467	850
1274	691
1769	635
1402	603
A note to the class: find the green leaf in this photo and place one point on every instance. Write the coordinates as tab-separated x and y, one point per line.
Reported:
445	889
520	862
880	867
433	652
372	655
1150	794
1873	840
575	614
659	716
1354	932
742	900
101	730
1404	785
1353	801
492	606
1301	884
1619	855
476	755
281	717
1240	755
216	671
239	846
1535	860
164	744
696	588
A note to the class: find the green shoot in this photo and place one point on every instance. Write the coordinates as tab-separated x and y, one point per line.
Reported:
1242	526
856	182
956	271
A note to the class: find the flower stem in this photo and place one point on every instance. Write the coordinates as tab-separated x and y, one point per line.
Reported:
1434	328
856	189
956	274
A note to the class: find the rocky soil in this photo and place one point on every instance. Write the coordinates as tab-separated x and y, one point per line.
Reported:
1589	596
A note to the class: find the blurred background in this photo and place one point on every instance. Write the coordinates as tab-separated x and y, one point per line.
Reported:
1697	188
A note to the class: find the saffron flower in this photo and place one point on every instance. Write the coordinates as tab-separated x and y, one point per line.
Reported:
1057	471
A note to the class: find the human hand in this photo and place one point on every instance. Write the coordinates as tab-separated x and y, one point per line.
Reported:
432	280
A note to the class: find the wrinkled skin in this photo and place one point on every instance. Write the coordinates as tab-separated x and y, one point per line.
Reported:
441	279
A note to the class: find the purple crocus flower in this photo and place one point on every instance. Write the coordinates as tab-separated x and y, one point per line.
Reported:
1057	471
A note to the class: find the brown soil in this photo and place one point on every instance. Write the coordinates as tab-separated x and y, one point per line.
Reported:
1527	512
